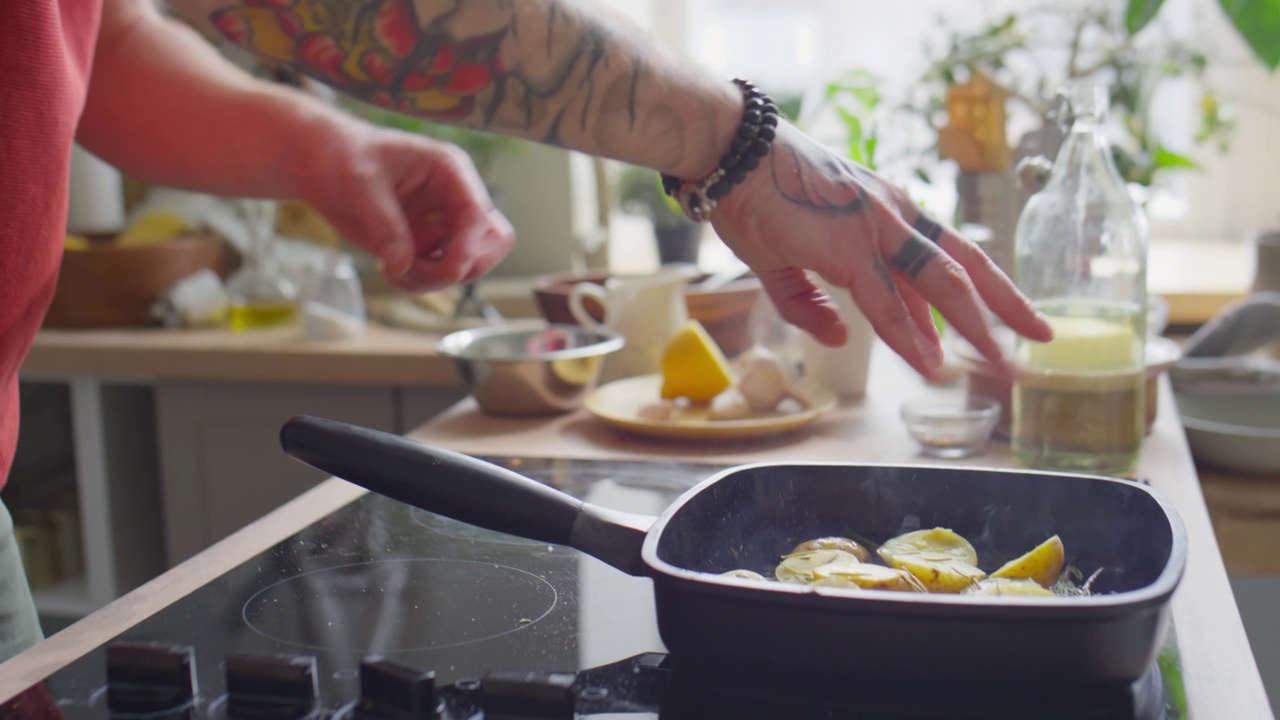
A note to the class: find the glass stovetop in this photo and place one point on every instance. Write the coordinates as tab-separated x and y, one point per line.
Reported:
380	578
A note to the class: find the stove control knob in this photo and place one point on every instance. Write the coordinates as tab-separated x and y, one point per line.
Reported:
548	696
392	691
271	687
146	678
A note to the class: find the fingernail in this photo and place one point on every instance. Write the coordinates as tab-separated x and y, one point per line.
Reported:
1044	322
932	354
396	261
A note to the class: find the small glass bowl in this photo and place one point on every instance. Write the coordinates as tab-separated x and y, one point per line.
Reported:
951	428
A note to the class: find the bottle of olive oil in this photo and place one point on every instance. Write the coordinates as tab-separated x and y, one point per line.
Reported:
261	294
1081	257
260	313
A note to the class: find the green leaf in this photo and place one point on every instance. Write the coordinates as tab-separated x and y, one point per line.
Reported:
853	124
1258	22
939	322
1139	13
1168	159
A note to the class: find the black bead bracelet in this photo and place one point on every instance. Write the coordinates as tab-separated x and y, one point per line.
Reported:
750	144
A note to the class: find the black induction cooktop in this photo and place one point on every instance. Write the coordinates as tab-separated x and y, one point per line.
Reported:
381	610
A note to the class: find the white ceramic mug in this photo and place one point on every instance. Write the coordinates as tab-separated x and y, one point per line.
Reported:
841	370
647	310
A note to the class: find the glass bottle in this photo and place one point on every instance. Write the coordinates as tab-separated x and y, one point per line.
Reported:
260	293
332	302
1081	257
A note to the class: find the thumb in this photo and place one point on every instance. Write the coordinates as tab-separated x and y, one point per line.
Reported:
375	222
390	235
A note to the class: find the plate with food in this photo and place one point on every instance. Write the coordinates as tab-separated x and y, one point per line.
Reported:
700	395
636	405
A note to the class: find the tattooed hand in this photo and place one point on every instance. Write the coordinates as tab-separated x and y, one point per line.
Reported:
417	204
807	209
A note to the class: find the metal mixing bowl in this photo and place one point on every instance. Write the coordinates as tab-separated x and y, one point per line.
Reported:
529	368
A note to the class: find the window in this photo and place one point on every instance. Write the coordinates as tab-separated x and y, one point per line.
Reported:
796	46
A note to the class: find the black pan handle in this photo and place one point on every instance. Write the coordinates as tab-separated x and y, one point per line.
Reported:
466	489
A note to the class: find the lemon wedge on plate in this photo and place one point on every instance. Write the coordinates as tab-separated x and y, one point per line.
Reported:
693	366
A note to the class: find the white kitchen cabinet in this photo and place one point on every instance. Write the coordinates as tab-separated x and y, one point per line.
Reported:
220	457
103	434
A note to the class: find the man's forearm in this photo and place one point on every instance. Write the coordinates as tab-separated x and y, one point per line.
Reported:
165	106
554	71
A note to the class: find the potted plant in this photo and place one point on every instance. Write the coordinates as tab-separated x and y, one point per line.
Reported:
678	238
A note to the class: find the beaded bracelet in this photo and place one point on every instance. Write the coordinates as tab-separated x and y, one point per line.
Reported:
752	142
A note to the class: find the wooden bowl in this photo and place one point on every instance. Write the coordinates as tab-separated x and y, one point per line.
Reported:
111	286
725	313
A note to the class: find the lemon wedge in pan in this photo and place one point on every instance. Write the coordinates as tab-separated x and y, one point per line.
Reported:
1008	587
1043	564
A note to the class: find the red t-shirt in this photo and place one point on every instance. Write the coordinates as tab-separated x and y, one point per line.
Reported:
46	51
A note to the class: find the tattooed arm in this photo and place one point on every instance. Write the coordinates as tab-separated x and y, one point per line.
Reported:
555	71
166	107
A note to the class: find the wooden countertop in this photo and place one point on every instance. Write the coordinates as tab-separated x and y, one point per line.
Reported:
1221	676
382	356
1199	278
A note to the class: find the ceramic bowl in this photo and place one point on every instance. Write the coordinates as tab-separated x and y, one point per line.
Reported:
1234	431
113	286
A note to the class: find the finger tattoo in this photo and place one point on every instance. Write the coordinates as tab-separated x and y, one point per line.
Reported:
913	256
926	226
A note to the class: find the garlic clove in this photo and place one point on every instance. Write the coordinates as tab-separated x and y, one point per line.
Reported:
655	411
728	405
765	382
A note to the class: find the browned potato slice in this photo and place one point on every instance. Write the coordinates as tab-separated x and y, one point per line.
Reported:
939	558
834	543
867	577
800	567
744	574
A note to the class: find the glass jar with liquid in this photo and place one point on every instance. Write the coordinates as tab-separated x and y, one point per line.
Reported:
1081	257
260	294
